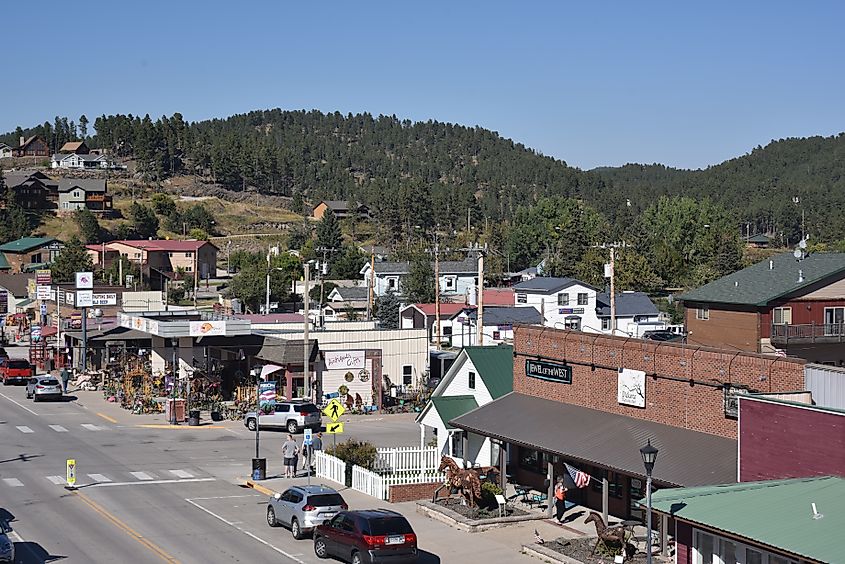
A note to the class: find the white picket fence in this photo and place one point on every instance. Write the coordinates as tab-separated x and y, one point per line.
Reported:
378	485
329	467
405	459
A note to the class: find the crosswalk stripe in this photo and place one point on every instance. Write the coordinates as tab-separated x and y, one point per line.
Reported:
99	478
58	428
92	427
24	429
141	475
13	482
181	474
58	480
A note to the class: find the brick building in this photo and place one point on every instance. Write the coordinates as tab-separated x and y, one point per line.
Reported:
592	401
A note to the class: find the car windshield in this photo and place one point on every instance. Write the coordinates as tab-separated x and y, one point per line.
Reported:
306	408
18	364
325	500
50	382
389	526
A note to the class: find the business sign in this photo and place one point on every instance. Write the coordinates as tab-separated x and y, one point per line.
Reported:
732	394
267	397
207	328
506	327
4	301
552	371
70	298
84	280
105	299
35	333
42	292
30	288
43	278
341	360
84	298
571	311
630	387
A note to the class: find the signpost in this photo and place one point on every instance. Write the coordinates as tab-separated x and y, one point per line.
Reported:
84	300
71	473
308	441
333	411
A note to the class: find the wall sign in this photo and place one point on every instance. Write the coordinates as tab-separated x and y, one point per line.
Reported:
631	387
571	311
341	360
732	400
552	371
206	328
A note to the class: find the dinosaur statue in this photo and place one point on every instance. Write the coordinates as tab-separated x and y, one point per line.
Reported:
464	480
613	538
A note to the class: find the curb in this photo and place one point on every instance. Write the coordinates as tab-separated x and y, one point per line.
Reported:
259	488
544	554
162	426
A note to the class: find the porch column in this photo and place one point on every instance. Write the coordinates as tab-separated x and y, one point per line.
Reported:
465	447
503	480
550	477
605	491
664	535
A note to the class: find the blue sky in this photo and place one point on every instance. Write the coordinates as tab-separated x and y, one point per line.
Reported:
592	83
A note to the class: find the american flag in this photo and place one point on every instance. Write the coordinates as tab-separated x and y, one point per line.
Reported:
581	479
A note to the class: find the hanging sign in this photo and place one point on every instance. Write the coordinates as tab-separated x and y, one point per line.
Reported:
552	371
630	388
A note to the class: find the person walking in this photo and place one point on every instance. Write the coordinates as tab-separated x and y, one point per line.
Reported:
289	450
316	445
64	375
560	499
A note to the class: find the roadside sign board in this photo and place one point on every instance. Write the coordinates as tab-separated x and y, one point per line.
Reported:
84	280
71	472
105	299
84	298
42	292
307	437
43	278
334	410
334	428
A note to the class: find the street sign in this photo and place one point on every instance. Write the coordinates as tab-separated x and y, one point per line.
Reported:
84	298
307	436
43	278
71	472
334	428
334	410
84	280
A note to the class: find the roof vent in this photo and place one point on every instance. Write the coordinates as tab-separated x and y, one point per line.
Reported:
771	265
800	275
736	283
816	514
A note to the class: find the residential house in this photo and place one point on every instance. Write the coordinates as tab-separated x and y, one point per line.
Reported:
340	208
101	257
33	189
424	316
14	291
344	302
378	253
563	303
635	314
478	376
497	324
6	151
781	305
458	279
35	146
758	241
77	147
91	193
160	258
88	161
29	253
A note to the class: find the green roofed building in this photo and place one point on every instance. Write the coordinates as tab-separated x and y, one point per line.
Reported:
22	254
787	304
772	522
478	376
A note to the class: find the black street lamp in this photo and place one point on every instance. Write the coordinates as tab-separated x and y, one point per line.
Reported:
649	454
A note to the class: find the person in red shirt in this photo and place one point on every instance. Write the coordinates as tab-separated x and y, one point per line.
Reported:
560	499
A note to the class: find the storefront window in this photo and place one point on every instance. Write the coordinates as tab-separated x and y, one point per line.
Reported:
703	548
615	485
531	460
457	444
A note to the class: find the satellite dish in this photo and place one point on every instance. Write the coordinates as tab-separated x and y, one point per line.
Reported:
797	254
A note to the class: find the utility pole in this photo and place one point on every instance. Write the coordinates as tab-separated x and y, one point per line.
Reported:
196	274
323	271
370	284
306	349
480	297
612	292
437	288
267	294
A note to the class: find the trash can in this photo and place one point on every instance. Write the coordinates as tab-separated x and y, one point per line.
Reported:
194	417
348	475
175	411
259	468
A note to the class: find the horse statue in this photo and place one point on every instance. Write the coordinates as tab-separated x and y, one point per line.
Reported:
464	480
613	538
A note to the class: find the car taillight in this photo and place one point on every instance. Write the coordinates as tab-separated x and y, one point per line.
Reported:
410	538
344	506
39	387
309	508
374	541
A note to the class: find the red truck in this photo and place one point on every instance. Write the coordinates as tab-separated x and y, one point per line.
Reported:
17	371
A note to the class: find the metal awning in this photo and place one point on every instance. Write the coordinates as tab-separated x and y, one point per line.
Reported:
606	440
286	351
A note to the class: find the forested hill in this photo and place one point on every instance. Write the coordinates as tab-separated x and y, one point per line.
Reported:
759	187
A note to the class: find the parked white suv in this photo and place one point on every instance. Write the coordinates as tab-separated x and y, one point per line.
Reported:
290	415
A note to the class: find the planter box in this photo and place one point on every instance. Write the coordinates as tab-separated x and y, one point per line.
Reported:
446	515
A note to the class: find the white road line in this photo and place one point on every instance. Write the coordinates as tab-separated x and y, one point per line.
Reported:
13	482
224	497
141	475
102	485
91	427
247	533
25	429
58	428
58	480
17	404
99	478
181	474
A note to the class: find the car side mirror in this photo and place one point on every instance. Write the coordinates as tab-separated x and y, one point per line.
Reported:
277	496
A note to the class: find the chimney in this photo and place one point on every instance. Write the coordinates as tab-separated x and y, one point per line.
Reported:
800	275
22	141
771	265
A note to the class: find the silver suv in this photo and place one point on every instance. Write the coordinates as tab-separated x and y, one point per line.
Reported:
43	387
289	415
304	507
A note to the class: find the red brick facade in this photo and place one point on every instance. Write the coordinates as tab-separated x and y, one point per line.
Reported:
670	398
412	492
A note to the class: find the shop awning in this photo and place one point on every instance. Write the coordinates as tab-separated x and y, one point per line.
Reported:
286	351
686	458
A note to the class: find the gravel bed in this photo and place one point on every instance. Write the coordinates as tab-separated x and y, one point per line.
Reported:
581	548
477	513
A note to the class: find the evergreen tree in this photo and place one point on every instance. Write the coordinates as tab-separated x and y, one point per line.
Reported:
83	127
72	259
419	285
144	221
348	264
328	232
297	205
387	310
299	234
198	216
89	227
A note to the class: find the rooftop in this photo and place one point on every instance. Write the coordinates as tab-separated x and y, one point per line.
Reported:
504	315
450	407
26	244
547	285
628	304
776	513
168	245
85	184
446	309
776	277
467	266
495	367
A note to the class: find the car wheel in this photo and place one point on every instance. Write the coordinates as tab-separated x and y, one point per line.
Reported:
271	517
295	529
320	548
35	398
356	558
250	424
292	426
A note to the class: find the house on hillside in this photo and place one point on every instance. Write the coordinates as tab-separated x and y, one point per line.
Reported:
31	253
345	300
478	376
91	193
340	208
33	189
89	161
77	147
160	259
758	241
378	253
458	279
6	151
781	305
35	146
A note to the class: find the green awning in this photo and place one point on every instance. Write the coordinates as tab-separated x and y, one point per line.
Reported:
450	407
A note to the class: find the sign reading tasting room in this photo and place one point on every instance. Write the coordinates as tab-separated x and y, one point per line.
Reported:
552	371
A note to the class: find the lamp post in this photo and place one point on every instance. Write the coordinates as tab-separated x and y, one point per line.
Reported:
259	465
649	454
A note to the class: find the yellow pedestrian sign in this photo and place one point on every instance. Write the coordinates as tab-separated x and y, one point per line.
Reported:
71	472
334	410
334	428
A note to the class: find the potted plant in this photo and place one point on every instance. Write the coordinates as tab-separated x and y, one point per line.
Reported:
216	415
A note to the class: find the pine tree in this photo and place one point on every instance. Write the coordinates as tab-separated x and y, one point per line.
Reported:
419	285
83	126
387	310
89	227
328	232
144	221
72	259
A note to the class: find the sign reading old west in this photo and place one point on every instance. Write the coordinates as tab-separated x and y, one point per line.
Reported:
545	370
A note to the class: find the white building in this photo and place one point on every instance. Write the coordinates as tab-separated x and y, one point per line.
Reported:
5	151
635	314
478	376
498	322
458	279
75	161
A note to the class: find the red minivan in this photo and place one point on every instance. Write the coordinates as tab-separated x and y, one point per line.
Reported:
18	371
368	536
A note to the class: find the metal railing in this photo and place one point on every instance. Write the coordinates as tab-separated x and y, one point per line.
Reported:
811	332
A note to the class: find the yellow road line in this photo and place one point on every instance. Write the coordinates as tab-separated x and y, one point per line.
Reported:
259	488
107	418
151	426
126	528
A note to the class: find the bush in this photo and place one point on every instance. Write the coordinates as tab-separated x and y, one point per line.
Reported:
360	453
489	491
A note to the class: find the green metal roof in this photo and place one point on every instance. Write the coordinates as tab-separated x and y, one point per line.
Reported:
763	282
4	264
450	407
775	513
25	244
495	366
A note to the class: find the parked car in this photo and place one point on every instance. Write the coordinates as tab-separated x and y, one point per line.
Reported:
663	335
291	415
7	547
304	507
17	371
372	535
3	354
43	387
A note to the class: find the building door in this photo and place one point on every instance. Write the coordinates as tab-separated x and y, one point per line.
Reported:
834	317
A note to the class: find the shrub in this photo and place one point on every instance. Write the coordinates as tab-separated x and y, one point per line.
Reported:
489	491
360	453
